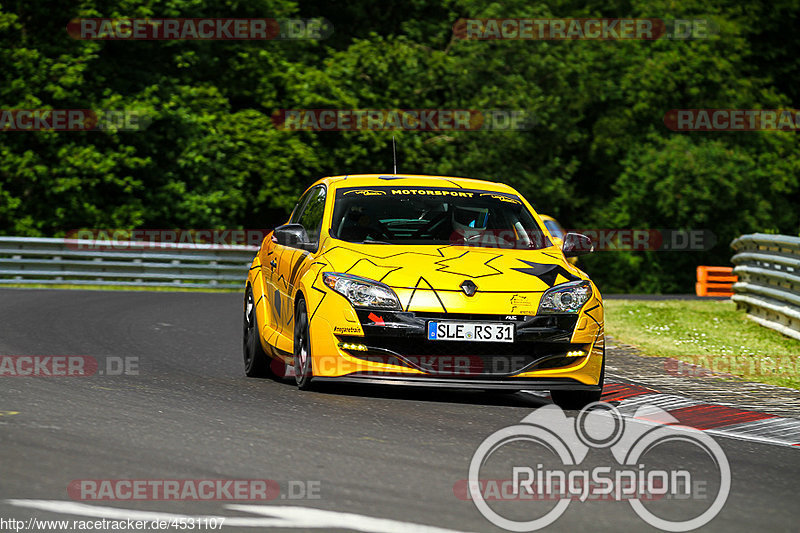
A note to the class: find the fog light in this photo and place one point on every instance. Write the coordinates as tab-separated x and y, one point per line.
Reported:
351	346
576	353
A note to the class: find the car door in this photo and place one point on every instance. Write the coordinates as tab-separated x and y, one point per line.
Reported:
290	259
270	255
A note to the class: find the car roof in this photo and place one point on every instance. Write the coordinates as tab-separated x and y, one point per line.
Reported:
413	180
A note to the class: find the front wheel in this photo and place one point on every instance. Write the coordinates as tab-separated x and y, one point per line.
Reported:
578	399
256	361
303	372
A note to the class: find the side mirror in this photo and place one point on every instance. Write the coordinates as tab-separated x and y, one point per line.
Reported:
576	244
292	235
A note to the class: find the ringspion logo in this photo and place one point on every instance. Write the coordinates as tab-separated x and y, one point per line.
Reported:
542	459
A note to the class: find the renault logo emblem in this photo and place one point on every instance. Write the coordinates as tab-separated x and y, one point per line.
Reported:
469	287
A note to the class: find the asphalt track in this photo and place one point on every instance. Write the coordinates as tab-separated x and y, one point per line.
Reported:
190	413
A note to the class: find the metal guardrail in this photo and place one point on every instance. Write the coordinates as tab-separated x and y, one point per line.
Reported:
27	260
768	267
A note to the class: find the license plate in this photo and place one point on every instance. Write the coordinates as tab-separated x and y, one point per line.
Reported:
470	331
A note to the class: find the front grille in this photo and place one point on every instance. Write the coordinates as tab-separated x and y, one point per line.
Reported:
539	328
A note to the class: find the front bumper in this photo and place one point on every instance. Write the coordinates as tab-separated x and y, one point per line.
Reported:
390	347
400	340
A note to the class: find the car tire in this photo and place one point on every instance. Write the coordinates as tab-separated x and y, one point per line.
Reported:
303	372
578	399
256	361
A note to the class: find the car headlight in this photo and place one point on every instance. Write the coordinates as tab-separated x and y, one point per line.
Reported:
566	298
362	292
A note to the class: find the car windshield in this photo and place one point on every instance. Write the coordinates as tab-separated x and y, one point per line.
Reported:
432	215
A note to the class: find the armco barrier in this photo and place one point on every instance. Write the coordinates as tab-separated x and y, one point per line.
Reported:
25	260
768	267
714	281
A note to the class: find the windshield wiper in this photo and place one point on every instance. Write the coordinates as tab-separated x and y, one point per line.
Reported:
367	241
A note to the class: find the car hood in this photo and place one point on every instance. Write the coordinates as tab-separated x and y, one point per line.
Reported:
445	268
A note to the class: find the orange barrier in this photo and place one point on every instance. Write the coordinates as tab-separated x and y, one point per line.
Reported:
715	281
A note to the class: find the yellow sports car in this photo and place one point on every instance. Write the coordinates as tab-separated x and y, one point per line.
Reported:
423	280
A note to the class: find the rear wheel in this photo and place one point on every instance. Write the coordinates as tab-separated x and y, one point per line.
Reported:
256	361
578	399
303	373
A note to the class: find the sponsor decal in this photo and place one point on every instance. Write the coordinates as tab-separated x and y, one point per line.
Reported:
502	197
346	329
520	304
432	192
366	192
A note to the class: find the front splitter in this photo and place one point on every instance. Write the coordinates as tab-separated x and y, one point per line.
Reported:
460	383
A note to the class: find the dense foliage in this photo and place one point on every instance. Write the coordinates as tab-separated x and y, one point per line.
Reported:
599	155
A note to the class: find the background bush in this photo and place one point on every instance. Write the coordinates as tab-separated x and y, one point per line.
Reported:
599	155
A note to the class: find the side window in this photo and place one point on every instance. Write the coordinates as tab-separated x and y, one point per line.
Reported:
312	212
299	207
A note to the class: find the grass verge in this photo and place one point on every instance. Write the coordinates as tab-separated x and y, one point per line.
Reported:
710	334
